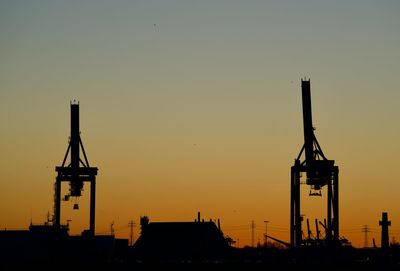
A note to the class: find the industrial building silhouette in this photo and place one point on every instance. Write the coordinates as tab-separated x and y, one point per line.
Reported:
177	241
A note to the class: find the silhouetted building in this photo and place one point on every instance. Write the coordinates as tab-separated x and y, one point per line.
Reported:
385	223
176	241
47	244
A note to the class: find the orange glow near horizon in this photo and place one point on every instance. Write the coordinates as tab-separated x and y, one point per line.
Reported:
202	113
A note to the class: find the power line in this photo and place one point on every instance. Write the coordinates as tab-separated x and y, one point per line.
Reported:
253	225
366	230
266	233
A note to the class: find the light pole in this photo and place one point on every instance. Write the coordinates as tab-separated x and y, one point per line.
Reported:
131	225
266	232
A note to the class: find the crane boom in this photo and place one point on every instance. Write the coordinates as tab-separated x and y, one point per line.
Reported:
307	122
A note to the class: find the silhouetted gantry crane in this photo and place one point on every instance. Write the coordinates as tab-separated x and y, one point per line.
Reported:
76	173
320	172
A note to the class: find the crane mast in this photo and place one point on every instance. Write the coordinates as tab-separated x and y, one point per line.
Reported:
307	122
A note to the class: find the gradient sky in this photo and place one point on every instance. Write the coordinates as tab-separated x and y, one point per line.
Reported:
193	106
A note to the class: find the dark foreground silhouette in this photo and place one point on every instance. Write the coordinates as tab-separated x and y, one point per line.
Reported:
177	245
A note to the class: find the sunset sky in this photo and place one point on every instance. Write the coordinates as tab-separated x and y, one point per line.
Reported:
190	106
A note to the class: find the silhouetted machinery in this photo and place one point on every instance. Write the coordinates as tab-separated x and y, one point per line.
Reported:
319	171
76	173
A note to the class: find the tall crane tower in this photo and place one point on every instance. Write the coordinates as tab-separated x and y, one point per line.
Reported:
75	173
320	172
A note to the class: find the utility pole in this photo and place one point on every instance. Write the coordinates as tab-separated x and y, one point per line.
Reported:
253	225
266	232
131	225
112	228
366	230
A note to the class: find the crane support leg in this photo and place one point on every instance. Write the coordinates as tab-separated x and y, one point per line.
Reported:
57	208
92	205
292	204
295	217
336	204
329	212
